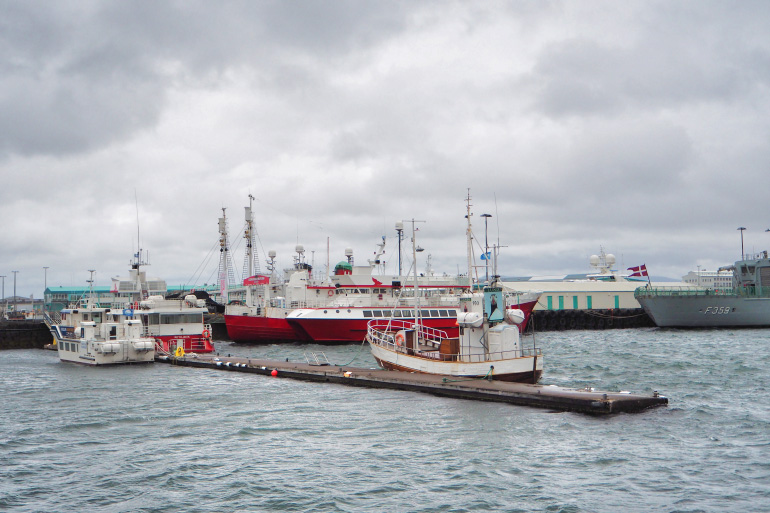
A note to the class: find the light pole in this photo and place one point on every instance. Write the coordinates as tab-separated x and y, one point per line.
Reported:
4	307
742	229
45	285
486	243
14	290
400	232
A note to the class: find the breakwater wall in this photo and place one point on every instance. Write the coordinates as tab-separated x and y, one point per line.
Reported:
24	335
615	318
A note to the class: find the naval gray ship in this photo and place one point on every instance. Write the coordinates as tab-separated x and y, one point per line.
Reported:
746	304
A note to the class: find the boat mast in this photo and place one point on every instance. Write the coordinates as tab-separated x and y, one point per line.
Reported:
251	265
469	240
90	302
223	257
414	267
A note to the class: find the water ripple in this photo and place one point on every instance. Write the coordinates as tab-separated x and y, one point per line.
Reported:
169	439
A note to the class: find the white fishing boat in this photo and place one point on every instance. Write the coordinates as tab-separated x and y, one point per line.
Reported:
488	345
172	322
93	335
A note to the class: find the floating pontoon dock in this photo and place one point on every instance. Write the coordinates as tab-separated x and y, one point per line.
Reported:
540	396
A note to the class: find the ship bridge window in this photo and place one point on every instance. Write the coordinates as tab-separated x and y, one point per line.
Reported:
434	313
444	313
425	313
181	319
367	313
377	313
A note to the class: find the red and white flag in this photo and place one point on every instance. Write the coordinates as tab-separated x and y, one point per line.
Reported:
640	270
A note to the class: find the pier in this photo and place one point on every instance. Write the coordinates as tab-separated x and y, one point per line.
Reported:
539	396
26	334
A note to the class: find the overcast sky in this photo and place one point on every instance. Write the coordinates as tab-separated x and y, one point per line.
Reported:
639	127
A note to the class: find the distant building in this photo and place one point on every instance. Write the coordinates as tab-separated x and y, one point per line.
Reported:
709	279
21	307
57	298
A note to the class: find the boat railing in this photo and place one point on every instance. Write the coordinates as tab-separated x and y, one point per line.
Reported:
51	318
385	333
669	291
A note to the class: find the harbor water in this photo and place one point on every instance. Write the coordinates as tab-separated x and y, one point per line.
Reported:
160	438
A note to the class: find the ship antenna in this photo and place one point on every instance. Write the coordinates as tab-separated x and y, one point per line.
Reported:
138	244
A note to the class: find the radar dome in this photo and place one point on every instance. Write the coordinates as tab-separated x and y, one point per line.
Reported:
299	249
594	260
610	259
271	253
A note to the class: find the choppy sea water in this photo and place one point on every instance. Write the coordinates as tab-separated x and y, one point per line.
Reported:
159	438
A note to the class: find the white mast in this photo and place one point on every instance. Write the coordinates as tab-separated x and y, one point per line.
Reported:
469	237
248	234
223	257
414	267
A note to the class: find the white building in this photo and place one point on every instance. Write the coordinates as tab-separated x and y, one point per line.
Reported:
709	279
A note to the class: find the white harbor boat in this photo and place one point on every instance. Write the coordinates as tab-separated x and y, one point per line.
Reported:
94	335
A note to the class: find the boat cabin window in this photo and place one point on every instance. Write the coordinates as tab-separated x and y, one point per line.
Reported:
377	313
113	332
434	313
425	313
367	313
180	318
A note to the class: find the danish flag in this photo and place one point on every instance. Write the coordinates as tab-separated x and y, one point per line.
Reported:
640	270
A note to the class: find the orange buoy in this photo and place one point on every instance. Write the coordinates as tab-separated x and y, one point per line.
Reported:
274	373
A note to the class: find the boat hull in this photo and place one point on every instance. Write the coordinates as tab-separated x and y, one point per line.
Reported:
707	311
336	330
527	369
343	325
256	329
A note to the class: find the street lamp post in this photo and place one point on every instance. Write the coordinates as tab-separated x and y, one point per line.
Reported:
486	243
400	232
4	307
14	290
742	229
45	284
